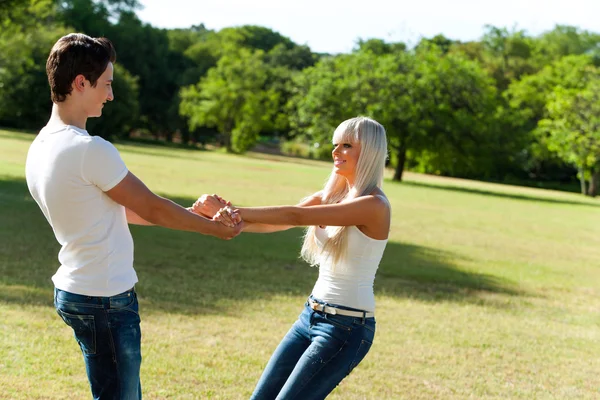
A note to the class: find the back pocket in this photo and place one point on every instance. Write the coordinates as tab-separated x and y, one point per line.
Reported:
84	328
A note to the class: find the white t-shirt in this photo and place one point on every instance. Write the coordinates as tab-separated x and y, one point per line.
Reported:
67	173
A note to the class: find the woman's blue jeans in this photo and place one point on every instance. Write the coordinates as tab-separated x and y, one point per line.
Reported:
316	354
108	332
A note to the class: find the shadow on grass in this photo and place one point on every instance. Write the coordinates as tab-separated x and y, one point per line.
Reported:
182	272
498	194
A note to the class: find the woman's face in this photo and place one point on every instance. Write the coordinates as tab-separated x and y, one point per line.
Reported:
345	158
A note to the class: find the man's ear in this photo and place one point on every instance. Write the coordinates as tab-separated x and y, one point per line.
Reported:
79	83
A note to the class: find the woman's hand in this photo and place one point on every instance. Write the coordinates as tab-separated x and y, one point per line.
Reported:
228	216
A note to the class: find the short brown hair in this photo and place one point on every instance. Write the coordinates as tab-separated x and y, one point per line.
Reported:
76	54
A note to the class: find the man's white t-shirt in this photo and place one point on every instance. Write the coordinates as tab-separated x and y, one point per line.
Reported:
67	173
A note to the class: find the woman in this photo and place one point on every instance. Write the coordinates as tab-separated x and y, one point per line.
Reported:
349	222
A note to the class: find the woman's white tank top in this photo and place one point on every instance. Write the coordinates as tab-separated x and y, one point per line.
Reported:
349	283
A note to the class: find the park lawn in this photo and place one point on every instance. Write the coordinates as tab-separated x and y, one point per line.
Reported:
485	291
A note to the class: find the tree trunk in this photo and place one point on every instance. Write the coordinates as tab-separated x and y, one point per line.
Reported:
582	180
227	142
401	160
594	182
227	135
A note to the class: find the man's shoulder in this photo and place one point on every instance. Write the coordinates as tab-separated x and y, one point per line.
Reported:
99	144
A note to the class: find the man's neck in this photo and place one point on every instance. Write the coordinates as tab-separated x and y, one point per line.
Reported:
65	114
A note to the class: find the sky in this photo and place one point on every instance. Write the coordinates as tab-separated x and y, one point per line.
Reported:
333	26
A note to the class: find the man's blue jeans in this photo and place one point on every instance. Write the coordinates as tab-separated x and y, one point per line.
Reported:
108	332
316	354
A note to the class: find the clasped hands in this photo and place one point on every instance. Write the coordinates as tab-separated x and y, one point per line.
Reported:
218	209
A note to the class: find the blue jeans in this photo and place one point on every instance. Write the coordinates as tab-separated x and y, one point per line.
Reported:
316	354
108	332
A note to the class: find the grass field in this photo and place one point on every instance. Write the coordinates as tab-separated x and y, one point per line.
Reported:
485	291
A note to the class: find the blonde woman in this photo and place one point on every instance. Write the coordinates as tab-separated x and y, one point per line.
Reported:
349	222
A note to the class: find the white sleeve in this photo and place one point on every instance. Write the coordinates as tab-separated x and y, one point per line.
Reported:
102	164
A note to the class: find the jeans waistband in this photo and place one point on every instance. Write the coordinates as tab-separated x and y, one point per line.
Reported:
337	310
85	299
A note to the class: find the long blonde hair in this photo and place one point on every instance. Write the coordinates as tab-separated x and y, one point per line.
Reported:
368	176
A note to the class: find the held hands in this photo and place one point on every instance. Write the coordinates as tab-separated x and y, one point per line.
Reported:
228	216
208	205
220	211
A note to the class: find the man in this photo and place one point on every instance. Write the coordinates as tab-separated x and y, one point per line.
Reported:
88	196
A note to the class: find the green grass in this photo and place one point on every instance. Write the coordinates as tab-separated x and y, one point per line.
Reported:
485	291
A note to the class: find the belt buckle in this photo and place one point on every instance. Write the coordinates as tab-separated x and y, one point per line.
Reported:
315	306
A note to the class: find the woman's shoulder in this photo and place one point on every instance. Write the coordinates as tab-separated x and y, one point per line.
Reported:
380	196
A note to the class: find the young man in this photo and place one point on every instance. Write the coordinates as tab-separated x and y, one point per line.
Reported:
88	196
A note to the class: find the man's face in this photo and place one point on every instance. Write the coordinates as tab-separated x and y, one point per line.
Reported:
94	97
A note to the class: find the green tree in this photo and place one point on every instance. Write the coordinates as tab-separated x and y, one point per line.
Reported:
572	130
508	55
253	37
527	102
440	41
29	29
565	40
457	110
291	57
233	99
202	49
426	101
379	47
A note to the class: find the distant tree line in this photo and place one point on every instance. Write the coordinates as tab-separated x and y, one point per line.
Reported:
510	107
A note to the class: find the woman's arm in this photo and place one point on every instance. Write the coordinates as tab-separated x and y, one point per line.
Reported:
257	227
209	205
361	211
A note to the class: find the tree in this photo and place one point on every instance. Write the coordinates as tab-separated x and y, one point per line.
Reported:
82	12
233	98
379	47
440	41
326	94
507	55
460	133
565	40
426	101
29	30
527	102
253	37
294	58
573	130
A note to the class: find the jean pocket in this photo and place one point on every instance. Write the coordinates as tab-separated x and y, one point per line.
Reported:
362	351
346	323
127	300
84	328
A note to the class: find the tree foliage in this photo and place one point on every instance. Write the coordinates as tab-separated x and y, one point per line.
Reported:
233	99
572	130
509	105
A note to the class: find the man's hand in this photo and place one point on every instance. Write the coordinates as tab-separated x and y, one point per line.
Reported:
208	205
226	232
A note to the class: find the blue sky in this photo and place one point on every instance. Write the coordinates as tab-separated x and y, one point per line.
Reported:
333	26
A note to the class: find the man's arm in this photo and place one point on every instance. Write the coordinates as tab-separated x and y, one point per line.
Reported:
132	194
134	219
